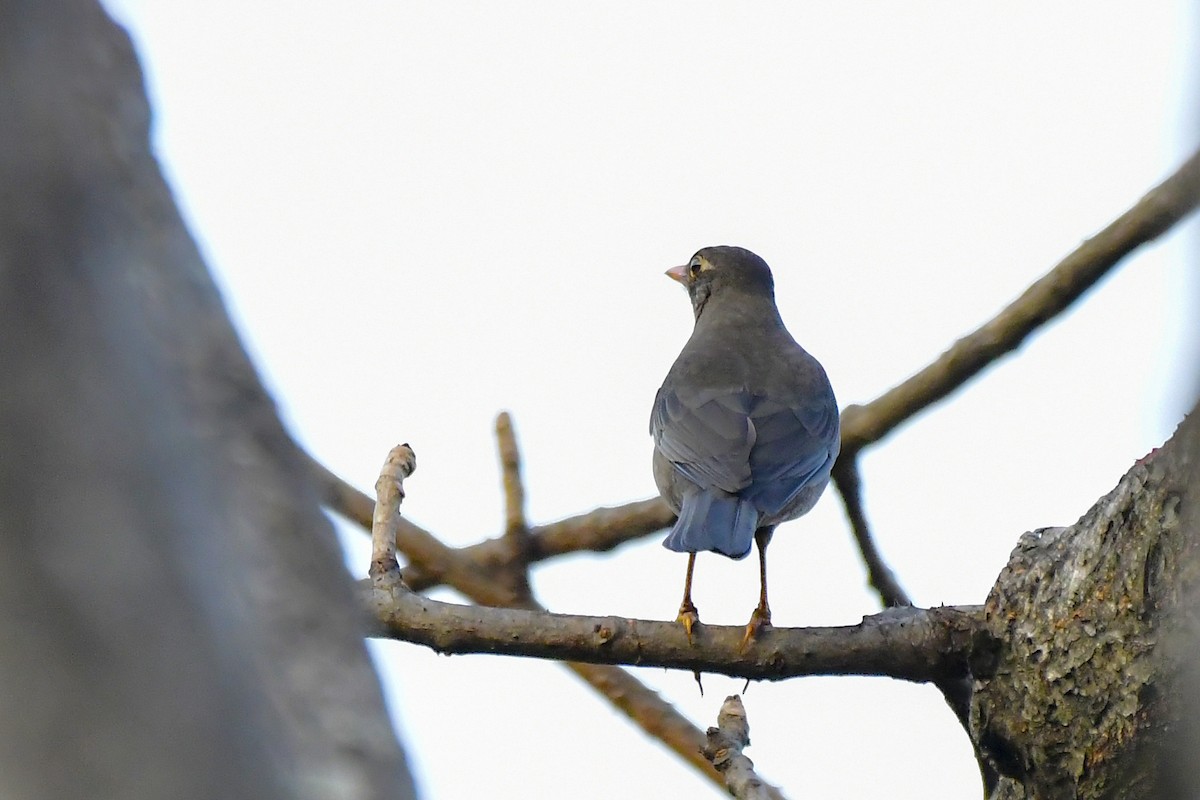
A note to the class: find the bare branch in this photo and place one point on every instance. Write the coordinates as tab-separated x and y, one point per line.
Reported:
417	544
511	553
510	468
955	689
602	529
401	462
648	711
724	749
1150	217
514	564
880	576
645	708
1153	215
905	643
339	496
596	531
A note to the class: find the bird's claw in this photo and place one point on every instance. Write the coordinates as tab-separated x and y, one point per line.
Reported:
689	617
760	619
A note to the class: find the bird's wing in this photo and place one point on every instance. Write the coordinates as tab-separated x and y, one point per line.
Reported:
795	445
706	434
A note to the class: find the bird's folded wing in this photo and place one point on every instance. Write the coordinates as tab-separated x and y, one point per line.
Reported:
795	446
707	434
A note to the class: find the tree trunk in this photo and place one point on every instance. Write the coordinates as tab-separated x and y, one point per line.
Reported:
1085	680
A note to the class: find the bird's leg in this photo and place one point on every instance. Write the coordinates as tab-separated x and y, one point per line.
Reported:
761	618
688	614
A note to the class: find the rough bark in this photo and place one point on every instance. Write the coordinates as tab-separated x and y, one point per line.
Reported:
175	619
1082	679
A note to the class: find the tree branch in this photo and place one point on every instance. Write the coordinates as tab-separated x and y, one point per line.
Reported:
1153	215
401	462
1157	211
627	694
510	468
905	643
955	689
417	544
595	531
724	749
879	575
514	565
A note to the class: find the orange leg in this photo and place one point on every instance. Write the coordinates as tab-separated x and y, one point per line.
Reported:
761	618
688	614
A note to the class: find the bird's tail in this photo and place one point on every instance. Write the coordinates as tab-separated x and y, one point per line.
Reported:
709	521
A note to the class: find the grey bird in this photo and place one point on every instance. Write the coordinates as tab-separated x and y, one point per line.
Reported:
745	425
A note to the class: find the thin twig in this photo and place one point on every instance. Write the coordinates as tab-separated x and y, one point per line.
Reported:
625	692
430	560
880	576
417	544
596	531
955	689
724	749
514	567
401	462
510	468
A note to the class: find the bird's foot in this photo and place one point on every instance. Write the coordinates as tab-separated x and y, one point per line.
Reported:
689	617
760	619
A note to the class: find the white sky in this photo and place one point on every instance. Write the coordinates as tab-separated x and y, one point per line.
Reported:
424	213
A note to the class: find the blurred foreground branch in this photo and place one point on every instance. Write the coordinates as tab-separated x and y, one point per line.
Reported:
177	622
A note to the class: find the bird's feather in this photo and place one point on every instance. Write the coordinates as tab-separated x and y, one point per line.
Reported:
737	442
707	436
796	448
713	521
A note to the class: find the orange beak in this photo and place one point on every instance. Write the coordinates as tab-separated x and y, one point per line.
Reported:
679	273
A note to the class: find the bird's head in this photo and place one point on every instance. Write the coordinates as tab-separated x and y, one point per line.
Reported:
724	272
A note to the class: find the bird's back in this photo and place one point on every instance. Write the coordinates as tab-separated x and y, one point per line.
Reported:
746	410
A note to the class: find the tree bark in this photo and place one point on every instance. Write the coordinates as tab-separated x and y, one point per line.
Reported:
1085	677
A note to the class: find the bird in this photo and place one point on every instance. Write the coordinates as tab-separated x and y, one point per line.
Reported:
745	425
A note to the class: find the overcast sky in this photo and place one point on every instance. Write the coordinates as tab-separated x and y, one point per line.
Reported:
421	214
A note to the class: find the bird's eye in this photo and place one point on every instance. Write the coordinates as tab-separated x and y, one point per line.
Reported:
694	269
